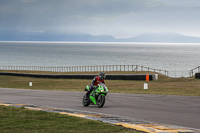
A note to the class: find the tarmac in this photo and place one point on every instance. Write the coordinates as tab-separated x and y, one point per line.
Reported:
147	113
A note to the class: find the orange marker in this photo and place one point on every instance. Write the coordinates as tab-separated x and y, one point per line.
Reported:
147	77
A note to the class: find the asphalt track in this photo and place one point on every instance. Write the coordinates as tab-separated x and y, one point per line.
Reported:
175	110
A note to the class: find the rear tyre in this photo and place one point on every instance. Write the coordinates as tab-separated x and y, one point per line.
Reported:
100	101
85	101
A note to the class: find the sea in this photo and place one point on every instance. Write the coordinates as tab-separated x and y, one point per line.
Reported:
177	58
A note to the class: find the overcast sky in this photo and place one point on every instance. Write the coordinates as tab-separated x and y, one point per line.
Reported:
119	18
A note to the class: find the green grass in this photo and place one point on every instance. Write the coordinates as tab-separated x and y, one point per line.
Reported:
21	120
164	86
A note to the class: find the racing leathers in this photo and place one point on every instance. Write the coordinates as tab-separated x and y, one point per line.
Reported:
96	80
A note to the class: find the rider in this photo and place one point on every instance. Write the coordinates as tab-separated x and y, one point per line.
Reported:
96	80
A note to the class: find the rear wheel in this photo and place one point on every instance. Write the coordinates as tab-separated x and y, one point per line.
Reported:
85	101
100	101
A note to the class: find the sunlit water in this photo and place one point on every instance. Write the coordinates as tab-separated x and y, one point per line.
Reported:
178	59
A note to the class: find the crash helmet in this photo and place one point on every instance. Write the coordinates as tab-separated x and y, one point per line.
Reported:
102	75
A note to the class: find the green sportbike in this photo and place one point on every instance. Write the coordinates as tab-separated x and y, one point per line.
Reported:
96	96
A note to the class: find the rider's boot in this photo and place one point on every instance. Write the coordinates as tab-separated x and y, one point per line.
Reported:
88	94
90	90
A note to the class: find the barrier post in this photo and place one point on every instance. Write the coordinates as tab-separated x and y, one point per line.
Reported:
30	84
145	86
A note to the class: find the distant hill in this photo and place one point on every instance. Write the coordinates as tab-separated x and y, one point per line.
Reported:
84	37
52	36
162	37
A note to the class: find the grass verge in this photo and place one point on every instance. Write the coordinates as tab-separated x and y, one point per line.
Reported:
21	120
164	86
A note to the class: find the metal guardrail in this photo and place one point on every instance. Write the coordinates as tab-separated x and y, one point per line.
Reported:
85	68
103	68
195	70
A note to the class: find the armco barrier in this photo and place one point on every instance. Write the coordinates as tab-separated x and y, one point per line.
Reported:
197	75
108	77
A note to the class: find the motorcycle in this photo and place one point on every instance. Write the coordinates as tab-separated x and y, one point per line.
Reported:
96	96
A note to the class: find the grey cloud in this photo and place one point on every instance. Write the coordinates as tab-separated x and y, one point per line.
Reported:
96	16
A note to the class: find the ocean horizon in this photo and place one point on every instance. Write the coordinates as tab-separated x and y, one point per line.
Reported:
177	58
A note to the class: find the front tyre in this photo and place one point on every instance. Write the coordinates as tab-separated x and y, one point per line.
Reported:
85	101
100	101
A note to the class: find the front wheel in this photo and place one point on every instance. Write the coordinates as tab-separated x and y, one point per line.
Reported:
100	101
85	101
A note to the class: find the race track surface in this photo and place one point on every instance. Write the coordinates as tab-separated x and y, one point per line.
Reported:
175	110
